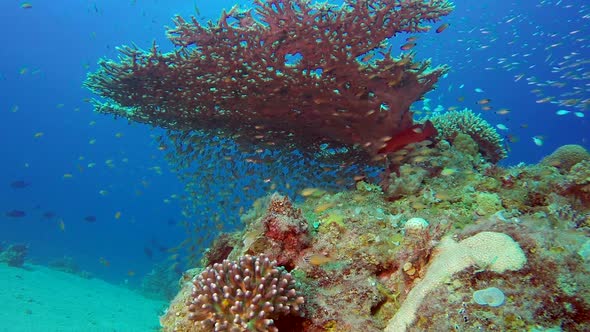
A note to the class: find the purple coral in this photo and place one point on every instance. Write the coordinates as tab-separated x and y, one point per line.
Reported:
245	295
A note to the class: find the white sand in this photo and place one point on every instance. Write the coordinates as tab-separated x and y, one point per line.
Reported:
40	299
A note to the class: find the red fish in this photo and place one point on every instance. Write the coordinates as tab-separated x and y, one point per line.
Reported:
407	46
442	28
414	134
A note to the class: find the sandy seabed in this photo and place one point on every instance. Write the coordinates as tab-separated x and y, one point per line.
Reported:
35	298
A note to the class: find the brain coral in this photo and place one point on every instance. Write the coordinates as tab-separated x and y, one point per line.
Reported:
450	124
566	156
490	251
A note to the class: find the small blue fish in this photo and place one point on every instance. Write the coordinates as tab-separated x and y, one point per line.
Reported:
90	219
16	214
20	184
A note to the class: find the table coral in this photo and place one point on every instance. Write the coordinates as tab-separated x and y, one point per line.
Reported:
235	77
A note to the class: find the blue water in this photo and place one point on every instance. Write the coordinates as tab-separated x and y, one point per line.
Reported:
48	132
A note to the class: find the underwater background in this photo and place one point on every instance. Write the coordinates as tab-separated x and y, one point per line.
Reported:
102	192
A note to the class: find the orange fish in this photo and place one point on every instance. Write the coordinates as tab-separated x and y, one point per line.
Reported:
407	46
318	259
414	134
368	57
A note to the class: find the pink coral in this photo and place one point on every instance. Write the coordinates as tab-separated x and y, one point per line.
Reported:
249	294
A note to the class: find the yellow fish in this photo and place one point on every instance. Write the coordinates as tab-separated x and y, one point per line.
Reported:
308	192
448	171
323	207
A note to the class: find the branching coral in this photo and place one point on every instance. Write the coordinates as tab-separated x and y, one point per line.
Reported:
247	295
451	124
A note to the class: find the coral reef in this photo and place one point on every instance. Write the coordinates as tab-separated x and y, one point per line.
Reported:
14	255
579	181
546	293
426	250
426	258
